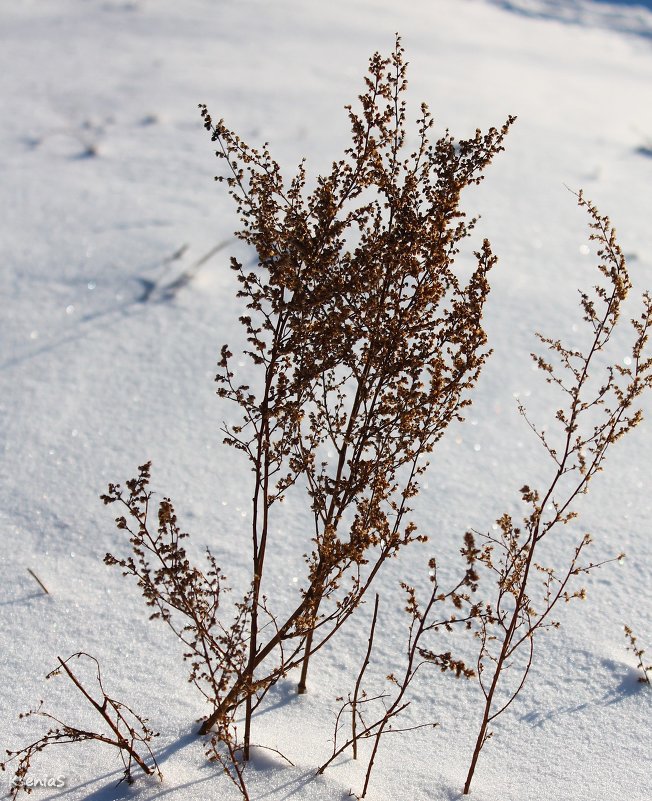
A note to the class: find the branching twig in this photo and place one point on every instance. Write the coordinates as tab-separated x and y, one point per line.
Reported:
120	719
594	417
417	655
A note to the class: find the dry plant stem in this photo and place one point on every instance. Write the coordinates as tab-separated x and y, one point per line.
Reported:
38	580
585	440
232	765
237	767
416	657
639	653
302	686
118	717
102	708
356	690
262	471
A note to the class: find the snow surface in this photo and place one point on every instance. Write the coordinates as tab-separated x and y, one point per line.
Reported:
108	358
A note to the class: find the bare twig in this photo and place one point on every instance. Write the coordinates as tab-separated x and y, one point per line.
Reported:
356	691
639	653
38	580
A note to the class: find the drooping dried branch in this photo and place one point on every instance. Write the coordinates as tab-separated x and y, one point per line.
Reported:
599	408
127	731
184	597
188	600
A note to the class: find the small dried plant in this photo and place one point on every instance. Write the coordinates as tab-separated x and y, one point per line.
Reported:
127	731
188	600
227	753
639	653
184	597
422	623
598	411
364	343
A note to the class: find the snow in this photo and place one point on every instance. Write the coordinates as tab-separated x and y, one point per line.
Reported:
107	361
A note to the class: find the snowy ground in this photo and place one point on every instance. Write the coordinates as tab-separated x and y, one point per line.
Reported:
107	361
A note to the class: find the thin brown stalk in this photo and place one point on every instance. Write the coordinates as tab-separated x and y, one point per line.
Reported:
38	580
593	419
356	689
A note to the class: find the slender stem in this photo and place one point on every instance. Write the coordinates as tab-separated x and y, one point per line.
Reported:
356	691
38	580
122	743
262	471
302	685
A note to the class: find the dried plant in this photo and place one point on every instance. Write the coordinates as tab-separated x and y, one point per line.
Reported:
127	731
224	750
417	655
598	410
639	653
365	342
186	598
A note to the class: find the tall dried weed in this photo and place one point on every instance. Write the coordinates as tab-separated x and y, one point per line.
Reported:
366	343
